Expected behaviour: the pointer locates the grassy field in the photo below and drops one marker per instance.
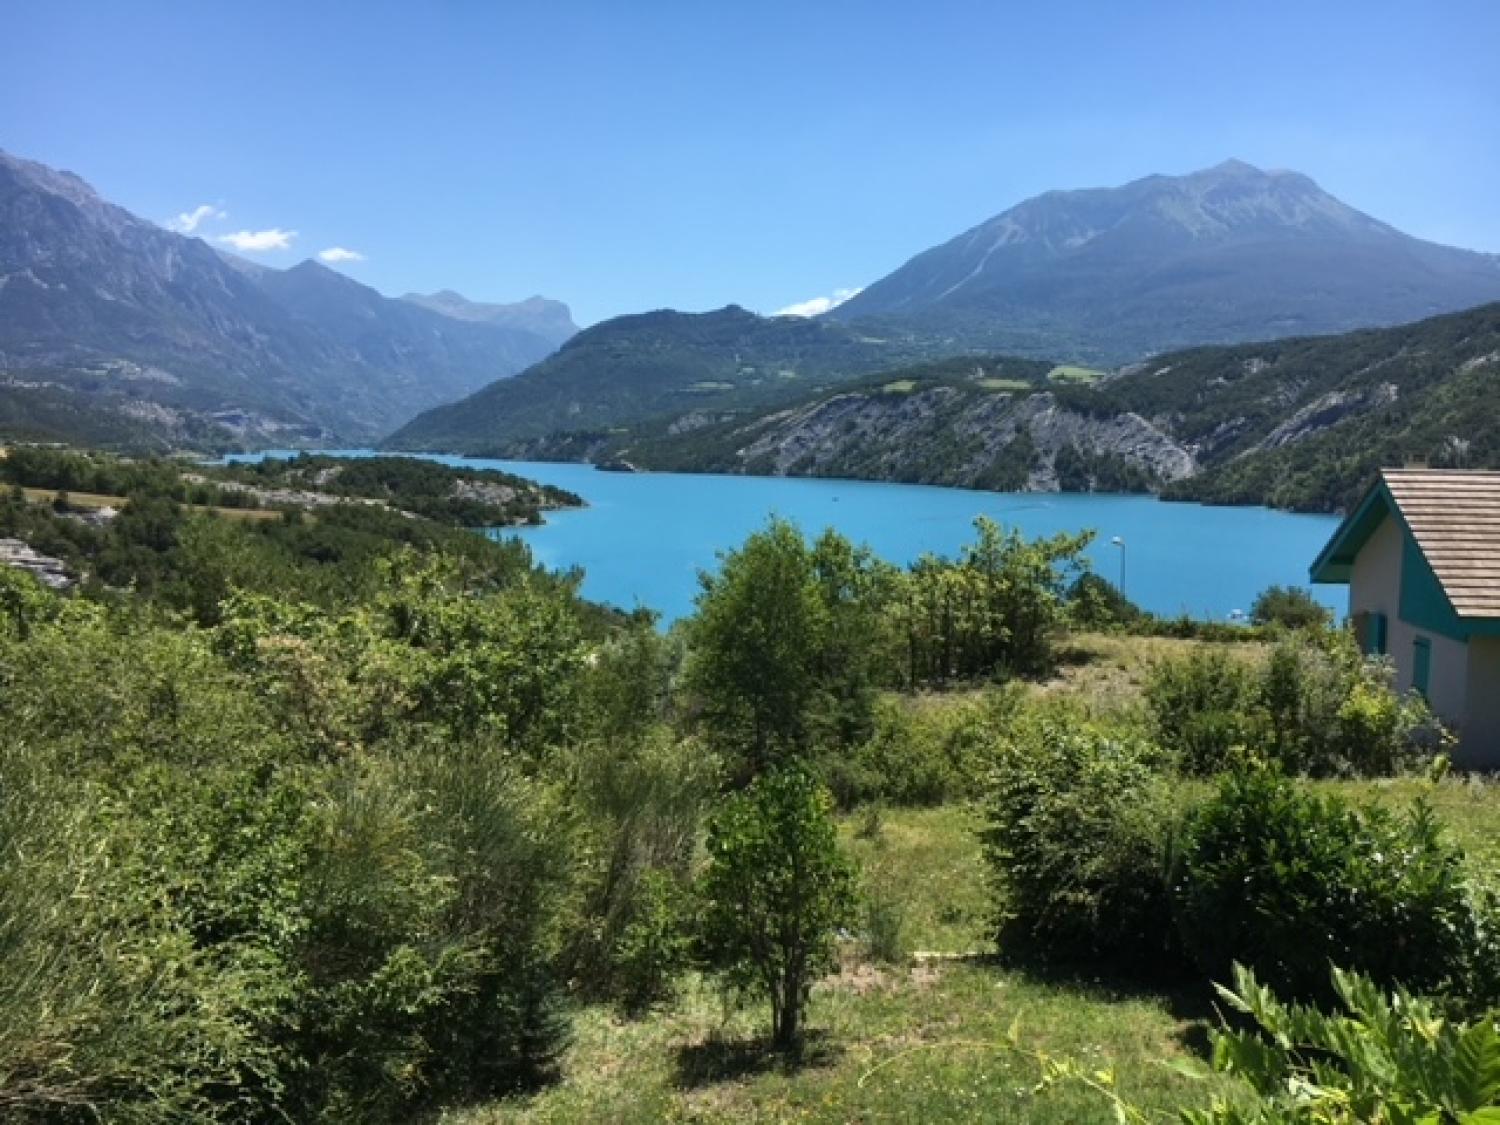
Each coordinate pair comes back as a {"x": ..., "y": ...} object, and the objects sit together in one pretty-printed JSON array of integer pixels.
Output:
[
  {"x": 1004, "y": 384},
  {"x": 919, "y": 1041},
  {"x": 98, "y": 500},
  {"x": 923, "y": 1039}
]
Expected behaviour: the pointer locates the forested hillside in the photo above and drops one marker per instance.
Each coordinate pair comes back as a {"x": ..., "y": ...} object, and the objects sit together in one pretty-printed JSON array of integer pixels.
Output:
[
  {"x": 1302, "y": 423},
  {"x": 634, "y": 368}
]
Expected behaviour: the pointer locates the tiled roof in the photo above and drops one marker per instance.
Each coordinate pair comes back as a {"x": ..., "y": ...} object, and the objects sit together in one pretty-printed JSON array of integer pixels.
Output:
[{"x": 1455, "y": 519}]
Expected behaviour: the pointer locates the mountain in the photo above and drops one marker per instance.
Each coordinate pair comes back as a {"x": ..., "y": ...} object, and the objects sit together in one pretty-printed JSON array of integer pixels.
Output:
[
  {"x": 1301, "y": 423},
  {"x": 551, "y": 320},
  {"x": 1228, "y": 254},
  {"x": 116, "y": 331},
  {"x": 638, "y": 367}
]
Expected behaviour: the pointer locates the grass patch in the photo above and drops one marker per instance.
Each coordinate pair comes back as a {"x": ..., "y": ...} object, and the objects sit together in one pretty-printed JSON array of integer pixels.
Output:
[
  {"x": 98, "y": 500},
  {"x": 1469, "y": 806},
  {"x": 1003, "y": 384},
  {"x": 920, "y": 1041},
  {"x": 899, "y": 387}
]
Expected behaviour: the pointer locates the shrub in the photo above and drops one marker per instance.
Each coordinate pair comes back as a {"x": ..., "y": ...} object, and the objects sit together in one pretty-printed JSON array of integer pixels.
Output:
[
  {"x": 1076, "y": 837},
  {"x": 1290, "y": 607},
  {"x": 1288, "y": 882},
  {"x": 1203, "y": 708},
  {"x": 1314, "y": 706},
  {"x": 1332, "y": 713},
  {"x": 921, "y": 755},
  {"x": 883, "y": 924},
  {"x": 776, "y": 890},
  {"x": 1097, "y": 603},
  {"x": 641, "y": 804},
  {"x": 654, "y": 944}
]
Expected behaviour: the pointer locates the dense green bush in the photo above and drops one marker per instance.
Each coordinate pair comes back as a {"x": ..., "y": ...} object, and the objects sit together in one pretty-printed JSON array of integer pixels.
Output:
[
  {"x": 1329, "y": 712},
  {"x": 922, "y": 755},
  {"x": 1076, "y": 836},
  {"x": 1097, "y": 603},
  {"x": 1204, "y": 709},
  {"x": 642, "y": 802},
  {"x": 303, "y": 866},
  {"x": 1314, "y": 706},
  {"x": 1288, "y": 882},
  {"x": 1290, "y": 607}
]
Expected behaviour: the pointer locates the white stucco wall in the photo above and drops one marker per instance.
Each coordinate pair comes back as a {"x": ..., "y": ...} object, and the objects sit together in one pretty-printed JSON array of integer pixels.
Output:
[
  {"x": 1376, "y": 584},
  {"x": 1480, "y": 742},
  {"x": 1375, "y": 587}
]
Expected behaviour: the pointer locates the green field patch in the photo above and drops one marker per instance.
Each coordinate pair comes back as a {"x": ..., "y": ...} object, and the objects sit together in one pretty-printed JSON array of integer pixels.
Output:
[
  {"x": 899, "y": 387},
  {"x": 1003, "y": 384}
]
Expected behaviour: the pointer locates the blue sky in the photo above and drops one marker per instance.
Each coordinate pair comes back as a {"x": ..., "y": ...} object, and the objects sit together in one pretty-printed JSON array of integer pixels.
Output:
[{"x": 638, "y": 154}]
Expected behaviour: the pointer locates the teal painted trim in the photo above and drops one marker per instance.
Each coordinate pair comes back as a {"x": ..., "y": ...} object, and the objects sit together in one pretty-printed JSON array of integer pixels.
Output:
[
  {"x": 1421, "y": 665},
  {"x": 1336, "y": 562},
  {"x": 1423, "y": 602}
]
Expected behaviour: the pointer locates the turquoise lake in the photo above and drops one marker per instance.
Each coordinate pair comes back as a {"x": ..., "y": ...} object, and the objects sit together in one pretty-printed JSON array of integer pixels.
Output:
[{"x": 645, "y": 536}]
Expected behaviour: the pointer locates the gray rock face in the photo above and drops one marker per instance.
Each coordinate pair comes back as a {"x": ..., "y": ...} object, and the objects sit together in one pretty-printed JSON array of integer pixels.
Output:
[
  {"x": 48, "y": 571},
  {"x": 941, "y": 436}
]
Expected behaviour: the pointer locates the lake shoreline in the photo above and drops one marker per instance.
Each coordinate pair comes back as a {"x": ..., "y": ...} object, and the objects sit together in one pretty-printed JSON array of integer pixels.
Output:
[{"x": 645, "y": 537}]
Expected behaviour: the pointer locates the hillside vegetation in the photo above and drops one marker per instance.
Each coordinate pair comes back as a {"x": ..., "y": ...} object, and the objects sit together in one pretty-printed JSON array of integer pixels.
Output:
[
  {"x": 1302, "y": 423},
  {"x": 635, "y": 368},
  {"x": 350, "y": 815}
]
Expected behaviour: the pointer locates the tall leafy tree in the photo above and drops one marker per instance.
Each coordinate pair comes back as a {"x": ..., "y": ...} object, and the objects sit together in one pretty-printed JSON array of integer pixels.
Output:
[{"x": 775, "y": 892}]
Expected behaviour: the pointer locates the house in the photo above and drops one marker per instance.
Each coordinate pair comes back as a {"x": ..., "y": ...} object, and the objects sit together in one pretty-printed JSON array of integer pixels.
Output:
[{"x": 1421, "y": 556}]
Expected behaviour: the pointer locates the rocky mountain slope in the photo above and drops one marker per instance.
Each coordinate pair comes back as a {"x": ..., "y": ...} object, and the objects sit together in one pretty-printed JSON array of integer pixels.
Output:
[
  {"x": 114, "y": 330},
  {"x": 1223, "y": 255}
]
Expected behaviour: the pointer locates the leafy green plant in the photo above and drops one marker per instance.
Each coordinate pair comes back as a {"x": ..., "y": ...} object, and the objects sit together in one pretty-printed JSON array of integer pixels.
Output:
[
  {"x": 1386, "y": 1058},
  {"x": 1203, "y": 708},
  {"x": 776, "y": 890}
]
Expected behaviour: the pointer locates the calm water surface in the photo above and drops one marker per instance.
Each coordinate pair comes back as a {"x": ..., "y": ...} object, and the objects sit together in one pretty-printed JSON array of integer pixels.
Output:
[{"x": 645, "y": 536}]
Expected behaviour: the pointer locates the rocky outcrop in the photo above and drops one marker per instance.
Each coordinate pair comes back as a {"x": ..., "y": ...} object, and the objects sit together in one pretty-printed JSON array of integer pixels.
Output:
[
  {"x": 48, "y": 571},
  {"x": 943, "y": 436}
]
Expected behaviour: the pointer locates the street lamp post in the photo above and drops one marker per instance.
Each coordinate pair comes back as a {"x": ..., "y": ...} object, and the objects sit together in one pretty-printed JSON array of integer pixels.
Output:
[{"x": 1119, "y": 541}]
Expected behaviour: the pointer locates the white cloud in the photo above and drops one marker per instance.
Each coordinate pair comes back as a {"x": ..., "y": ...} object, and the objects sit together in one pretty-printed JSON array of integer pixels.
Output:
[
  {"x": 816, "y": 305},
  {"x": 251, "y": 241},
  {"x": 188, "y": 221},
  {"x": 339, "y": 254}
]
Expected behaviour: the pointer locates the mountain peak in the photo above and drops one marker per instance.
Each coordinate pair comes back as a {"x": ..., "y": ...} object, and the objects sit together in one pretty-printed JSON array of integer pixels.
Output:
[
  {"x": 1227, "y": 253},
  {"x": 541, "y": 316}
]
